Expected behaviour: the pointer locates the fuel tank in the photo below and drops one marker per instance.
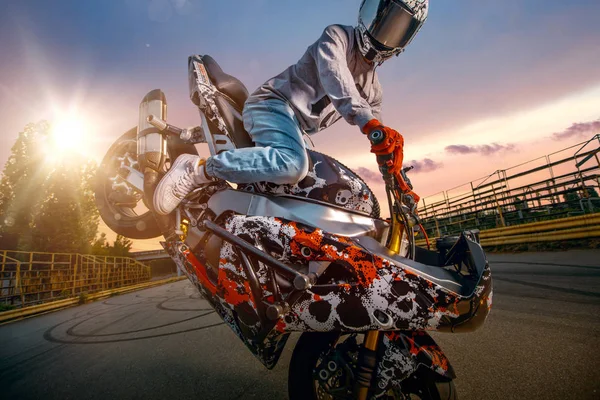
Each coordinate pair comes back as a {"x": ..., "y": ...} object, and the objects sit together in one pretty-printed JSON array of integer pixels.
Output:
[{"x": 328, "y": 181}]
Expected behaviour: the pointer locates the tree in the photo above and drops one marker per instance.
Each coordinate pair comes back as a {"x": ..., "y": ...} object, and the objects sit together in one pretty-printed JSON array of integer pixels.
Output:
[
  {"x": 100, "y": 246},
  {"x": 591, "y": 192},
  {"x": 571, "y": 197},
  {"x": 46, "y": 206},
  {"x": 520, "y": 205},
  {"x": 67, "y": 219},
  {"x": 20, "y": 183},
  {"x": 120, "y": 248}
]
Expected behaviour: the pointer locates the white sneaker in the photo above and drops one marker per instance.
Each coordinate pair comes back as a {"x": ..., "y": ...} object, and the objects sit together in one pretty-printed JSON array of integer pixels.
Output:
[{"x": 185, "y": 175}]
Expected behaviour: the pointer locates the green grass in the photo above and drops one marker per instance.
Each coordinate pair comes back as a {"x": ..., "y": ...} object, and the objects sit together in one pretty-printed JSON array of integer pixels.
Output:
[
  {"x": 83, "y": 297},
  {"x": 6, "y": 307}
]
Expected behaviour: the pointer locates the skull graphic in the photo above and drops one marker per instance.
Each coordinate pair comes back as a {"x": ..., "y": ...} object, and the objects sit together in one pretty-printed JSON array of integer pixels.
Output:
[{"x": 343, "y": 196}]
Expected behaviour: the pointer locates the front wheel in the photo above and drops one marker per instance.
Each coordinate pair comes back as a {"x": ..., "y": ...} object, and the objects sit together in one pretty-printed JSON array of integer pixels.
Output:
[
  {"x": 323, "y": 365},
  {"x": 121, "y": 207}
]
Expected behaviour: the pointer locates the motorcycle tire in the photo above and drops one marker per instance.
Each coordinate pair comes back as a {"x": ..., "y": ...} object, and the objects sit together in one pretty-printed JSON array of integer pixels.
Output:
[
  {"x": 312, "y": 346},
  {"x": 123, "y": 220}
]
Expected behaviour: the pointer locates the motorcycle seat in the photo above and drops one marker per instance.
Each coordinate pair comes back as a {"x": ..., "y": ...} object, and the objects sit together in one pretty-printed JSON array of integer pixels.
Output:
[
  {"x": 225, "y": 83},
  {"x": 231, "y": 102}
]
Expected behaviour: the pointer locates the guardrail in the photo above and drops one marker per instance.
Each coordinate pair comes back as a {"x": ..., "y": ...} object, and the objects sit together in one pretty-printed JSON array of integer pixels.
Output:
[
  {"x": 580, "y": 227},
  {"x": 28, "y": 278}
]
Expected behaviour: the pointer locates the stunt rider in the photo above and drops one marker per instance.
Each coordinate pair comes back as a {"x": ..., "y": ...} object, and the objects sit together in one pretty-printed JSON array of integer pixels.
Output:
[{"x": 335, "y": 78}]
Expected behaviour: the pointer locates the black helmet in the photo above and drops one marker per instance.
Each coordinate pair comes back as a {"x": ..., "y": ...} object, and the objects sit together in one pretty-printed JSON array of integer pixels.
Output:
[{"x": 386, "y": 27}]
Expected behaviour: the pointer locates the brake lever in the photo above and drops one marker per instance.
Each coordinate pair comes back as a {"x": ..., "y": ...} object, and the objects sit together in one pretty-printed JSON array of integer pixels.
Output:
[{"x": 405, "y": 177}]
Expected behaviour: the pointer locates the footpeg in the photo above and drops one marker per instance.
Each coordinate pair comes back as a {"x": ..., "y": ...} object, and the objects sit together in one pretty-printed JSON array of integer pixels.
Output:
[
  {"x": 276, "y": 311},
  {"x": 302, "y": 282}
]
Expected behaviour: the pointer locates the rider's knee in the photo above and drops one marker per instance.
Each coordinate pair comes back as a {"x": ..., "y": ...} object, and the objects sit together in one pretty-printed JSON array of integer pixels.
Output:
[{"x": 294, "y": 169}]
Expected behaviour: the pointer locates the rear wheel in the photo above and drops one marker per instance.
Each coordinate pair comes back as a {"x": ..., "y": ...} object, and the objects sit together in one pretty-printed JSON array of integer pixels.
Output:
[
  {"x": 322, "y": 368},
  {"x": 122, "y": 207}
]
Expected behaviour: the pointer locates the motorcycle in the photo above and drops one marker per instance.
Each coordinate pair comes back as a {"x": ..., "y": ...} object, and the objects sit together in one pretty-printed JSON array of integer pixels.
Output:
[{"x": 315, "y": 257}]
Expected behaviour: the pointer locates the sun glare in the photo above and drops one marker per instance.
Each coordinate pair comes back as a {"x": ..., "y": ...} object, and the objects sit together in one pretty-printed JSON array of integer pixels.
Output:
[
  {"x": 68, "y": 133},
  {"x": 68, "y": 137}
]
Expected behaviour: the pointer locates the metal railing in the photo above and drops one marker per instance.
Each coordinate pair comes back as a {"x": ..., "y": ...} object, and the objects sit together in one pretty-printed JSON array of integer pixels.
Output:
[
  {"x": 28, "y": 278},
  {"x": 559, "y": 185}
]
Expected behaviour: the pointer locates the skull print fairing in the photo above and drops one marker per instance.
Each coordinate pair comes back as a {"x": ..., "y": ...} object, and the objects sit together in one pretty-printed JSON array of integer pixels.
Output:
[{"x": 358, "y": 290}]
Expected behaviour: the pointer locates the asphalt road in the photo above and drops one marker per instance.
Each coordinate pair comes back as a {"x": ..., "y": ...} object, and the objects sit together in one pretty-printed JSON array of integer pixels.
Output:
[{"x": 540, "y": 342}]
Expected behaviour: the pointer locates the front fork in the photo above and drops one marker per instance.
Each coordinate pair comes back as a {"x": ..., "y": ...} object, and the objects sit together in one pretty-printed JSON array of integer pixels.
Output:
[
  {"x": 367, "y": 360},
  {"x": 367, "y": 364}
]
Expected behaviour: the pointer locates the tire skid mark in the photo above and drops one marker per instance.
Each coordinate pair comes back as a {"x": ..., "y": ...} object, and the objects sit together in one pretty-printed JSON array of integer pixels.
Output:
[
  {"x": 106, "y": 302},
  {"x": 55, "y": 347},
  {"x": 71, "y": 330},
  {"x": 56, "y": 340},
  {"x": 150, "y": 297},
  {"x": 95, "y": 331},
  {"x": 160, "y": 306},
  {"x": 91, "y": 316},
  {"x": 80, "y": 338}
]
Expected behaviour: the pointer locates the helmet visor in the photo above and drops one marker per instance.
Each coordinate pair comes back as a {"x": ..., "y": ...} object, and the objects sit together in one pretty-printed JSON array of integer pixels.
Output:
[{"x": 389, "y": 23}]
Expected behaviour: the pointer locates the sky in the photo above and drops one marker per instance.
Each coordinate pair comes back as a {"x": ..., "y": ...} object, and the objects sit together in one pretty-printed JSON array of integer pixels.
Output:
[{"x": 487, "y": 84}]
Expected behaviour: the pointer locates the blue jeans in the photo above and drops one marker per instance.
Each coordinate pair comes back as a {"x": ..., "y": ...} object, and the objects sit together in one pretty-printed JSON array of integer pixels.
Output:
[{"x": 280, "y": 153}]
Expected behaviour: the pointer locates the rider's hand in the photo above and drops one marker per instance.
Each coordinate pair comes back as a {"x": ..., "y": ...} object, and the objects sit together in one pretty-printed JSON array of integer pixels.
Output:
[{"x": 392, "y": 144}]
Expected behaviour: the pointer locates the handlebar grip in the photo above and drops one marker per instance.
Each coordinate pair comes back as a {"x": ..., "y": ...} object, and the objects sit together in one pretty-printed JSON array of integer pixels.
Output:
[{"x": 376, "y": 137}]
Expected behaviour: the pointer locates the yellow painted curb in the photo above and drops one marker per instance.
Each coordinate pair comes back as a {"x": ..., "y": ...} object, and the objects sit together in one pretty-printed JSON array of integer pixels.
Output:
[{"x": 13, "y": 315}]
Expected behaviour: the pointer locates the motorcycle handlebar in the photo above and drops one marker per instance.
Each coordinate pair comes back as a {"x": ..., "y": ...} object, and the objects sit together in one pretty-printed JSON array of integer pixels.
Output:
[
  {"x": 401, "y": 179},
  {"x": 376, "y": 137}
]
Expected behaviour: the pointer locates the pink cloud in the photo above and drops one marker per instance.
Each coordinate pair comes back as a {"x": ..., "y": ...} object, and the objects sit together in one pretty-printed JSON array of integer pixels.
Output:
[
  {"x": 484, "y": 149},
  {"x": 423, "y": 166},
  {"x": 578, "y": 130},
  {"x": 368, "y": 175}
]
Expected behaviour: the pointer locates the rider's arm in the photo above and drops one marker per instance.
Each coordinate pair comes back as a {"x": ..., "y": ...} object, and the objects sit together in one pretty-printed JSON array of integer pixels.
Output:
[
  {"x": 377, "y": 102},
  {"x": 336, "y": 78}
]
